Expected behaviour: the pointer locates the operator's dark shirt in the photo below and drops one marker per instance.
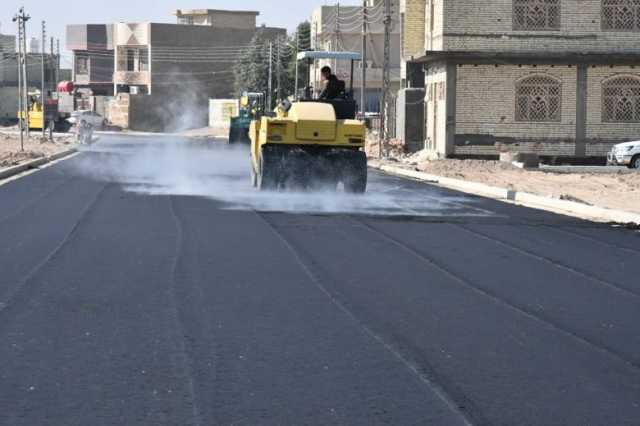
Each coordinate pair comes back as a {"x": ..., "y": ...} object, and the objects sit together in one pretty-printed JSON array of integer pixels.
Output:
[{"x": 332, "y": 88}]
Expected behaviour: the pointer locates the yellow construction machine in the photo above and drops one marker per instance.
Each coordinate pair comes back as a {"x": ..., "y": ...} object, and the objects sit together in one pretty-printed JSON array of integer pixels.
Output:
[
  {"x": 311, "y": 143},
  {"x": 45, "y": 115}
]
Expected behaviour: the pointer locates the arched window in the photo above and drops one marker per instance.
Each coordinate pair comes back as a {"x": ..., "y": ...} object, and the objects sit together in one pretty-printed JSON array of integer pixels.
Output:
[
  {"x": 621, "y": 100},
  {"x": 538, "y": 99},
  {"x": 536, "y": 15},
  {"x": 621, "y": 15}
]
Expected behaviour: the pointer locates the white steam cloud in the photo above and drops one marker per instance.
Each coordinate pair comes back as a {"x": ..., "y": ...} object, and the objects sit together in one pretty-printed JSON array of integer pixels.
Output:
[{"x": 168, "y": 166}]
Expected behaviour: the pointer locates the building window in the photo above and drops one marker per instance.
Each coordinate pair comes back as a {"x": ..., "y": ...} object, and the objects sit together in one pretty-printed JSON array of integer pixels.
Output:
[
  {"x": 82, "y": 65},
  {"x": 133, "y": 59},
  {"x": 185, "y": 20},
  {"x": 536, "y": 15},
  {"x": 538, "y": 99},
  {"x": 621, "y": 15},
  {"x": 621, "y": 100}
]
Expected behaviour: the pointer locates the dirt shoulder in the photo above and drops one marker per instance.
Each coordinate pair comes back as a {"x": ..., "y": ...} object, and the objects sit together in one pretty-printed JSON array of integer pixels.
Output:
[
  {"x": 619, "y": 190},
  {"x": 34, "y": 148}
]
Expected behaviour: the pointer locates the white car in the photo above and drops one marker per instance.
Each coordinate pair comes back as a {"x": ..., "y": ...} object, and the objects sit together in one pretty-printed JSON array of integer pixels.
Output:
[
  {"x": 90, "y": 117},
  {"x": 625, "y": 154}
]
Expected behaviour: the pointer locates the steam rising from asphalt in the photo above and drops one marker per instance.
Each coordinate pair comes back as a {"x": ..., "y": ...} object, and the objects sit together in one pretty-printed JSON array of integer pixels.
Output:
[{"x": 168, "y": 166}]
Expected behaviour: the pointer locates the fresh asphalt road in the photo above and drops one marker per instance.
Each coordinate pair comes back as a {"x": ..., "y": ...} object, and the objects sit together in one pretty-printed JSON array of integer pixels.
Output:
[{"x": 144, "y": 283}]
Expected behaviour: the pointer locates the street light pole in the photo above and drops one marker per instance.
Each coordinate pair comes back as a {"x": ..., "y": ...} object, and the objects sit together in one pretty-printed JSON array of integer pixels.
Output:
[
  {"x": 42, "y": 83},
  {"x": 25, "y": 79},
  {"x": 270, "y": 82}
]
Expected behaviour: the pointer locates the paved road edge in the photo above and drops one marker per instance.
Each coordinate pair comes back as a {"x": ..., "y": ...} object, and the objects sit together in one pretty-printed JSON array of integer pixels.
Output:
[
  {"x": 571, "y": 208},
  {"x": 30, "y": 165}
]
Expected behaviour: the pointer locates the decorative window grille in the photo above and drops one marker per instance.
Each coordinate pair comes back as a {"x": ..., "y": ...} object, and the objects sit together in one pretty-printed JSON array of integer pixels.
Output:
[
  {"x": 536, "y": 15},
  {"x": 621, "y": 100},
  {"x": 621, "y": 15},
  {"x": 538, "y": 99}
]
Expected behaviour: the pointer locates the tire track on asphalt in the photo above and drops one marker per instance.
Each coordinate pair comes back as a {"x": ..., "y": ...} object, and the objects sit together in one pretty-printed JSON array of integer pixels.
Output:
[
  {"x": 437, "y": 389},
  {"x": 20, "y": 294},
  {"x": 611, "y": 353},
  {"x": 185, "y": 359},
  {"x": 615, "y": 287}
]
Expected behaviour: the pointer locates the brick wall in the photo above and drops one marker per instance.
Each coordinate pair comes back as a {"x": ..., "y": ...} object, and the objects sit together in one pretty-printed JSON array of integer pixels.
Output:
[
  {"x": 596, "y": 129},
  {"x": 480, "y": 25},
  {"x": 486, "y": 102},
  {"x": 413, "y": 27}
]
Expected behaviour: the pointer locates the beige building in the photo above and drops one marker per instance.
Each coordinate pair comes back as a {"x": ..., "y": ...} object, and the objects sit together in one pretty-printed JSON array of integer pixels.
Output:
[
  {"x": 165, "y": 74},
  {"x": 243, "y": 20},
  {"x": 556, "y": 77},
  {"x": 340, "y": 28}
]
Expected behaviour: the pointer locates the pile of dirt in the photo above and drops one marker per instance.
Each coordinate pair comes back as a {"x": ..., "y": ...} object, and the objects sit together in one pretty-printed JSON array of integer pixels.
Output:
[
  {"x": 12, "y": 154},
  {"x": 617, "y": 190}
]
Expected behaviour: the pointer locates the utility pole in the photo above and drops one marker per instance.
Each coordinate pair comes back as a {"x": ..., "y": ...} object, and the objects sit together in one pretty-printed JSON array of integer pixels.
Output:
[
  {"x": 336, "y": 37},
  {"x": 363, "y": 83},
  {"x": 57, "y": 60},
  {"x": 296, "y": 86},
  {"x": 23, "y": 105},
  {"x": 270, "y": 83},
  {"x": 386, "y": 78},
  {"x": 18, "y": 19},
  {"x": 42, "y": 85},
  {"x": 278, "y": 73},
  {"x": 25, "y": 79},
  {"x": 53, "y": 83}
]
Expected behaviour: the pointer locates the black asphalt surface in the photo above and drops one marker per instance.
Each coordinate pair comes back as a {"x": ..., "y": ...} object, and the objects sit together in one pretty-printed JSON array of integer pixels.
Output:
[{"x": 131, "y": 298}]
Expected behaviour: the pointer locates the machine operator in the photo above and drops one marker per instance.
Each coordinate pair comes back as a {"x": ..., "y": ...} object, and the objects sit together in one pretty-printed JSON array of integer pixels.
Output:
[{"x": 333, "y": 86}]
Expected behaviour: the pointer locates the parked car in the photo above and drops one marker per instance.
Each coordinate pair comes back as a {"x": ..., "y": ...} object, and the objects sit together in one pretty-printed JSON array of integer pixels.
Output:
[
  {"x": 625, "y": 154},
  {"x": 94, "y": 119}
]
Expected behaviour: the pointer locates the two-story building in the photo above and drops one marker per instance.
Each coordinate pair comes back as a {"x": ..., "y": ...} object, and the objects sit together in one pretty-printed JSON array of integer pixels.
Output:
[
  {"x": 93, "y": 57},
  {"x": 555, "y": 77},
  {"x": 161, "y": 74}
]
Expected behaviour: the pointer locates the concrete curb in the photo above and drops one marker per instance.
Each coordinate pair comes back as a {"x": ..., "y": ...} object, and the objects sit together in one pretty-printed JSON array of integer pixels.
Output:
[
  {"x": 571, "y": 208},
  {"x": 159, "y": 135},
  {"x": 30, "y": 165}
]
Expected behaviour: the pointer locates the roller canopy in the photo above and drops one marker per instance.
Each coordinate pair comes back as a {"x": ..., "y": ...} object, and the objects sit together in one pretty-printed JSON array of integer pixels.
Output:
[{"x": 317, "y": 54}]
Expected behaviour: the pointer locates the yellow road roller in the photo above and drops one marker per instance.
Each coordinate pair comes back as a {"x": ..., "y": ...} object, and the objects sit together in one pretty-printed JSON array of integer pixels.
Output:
[{"x": 311, "y": 144}]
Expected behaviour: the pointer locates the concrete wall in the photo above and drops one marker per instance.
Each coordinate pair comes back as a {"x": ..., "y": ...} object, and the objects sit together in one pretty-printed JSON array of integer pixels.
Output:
[
  {"x": 89, "y": 37},
  {"x": 434, "y": 25},
  {"x": 436, "y": 110},
  {"x": 410, "y": 122},
  {"x": 8, "y": 102},
  {"x": 9, "y": 70},
  {"x": 181, "y": 57},
  {"x": 7, "y": 43},
  {"x": 228, "y": 19},
  {"x": 479, "y": 25},
  {"x": 220, "y": 113},
  {"x": 158, "y": 113}
]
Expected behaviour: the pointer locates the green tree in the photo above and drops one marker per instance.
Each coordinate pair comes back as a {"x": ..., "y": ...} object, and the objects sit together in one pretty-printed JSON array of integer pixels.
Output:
[
  {"x": 252, "y": 69},
  {"x": 300, "y": 42}
]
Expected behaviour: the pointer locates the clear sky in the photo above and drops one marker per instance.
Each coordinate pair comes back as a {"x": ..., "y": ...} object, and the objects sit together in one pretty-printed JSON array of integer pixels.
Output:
[{"x": 281, "y": 13}]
